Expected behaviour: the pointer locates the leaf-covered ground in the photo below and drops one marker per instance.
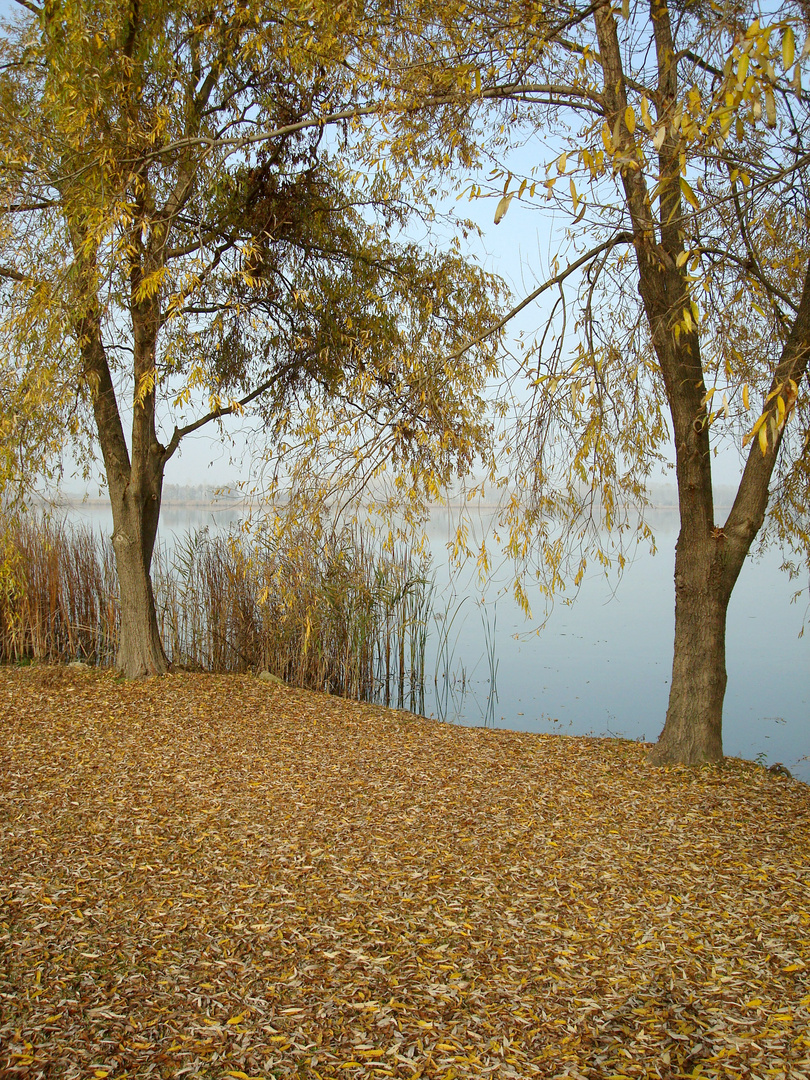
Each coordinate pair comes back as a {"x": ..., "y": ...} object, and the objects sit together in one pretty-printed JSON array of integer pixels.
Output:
[{"x": 212, "y": 876}]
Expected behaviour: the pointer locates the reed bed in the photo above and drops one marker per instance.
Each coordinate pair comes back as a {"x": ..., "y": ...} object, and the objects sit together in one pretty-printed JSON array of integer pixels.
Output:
[{"x": 333, "y": 611}]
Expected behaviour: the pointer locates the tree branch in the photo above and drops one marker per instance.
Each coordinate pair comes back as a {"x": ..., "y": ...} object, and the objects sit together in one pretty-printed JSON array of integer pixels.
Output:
[
  {"x": 620, "y": 238},
  {"x": 13, "y": 275},
  {"x": 216, "y": 414},
  {"x": 31, "y": 7}
]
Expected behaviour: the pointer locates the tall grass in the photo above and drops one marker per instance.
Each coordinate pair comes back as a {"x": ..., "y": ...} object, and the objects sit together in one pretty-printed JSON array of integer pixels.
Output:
[{"x": 334, "y": 612}]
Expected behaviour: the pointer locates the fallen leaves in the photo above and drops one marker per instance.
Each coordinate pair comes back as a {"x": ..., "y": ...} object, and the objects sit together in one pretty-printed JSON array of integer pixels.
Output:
[{"x": 201, "y": 876}]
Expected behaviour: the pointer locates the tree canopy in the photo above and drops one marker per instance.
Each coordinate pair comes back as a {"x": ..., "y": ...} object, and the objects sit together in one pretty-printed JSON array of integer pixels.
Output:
[{"x": 189, "y": 217}]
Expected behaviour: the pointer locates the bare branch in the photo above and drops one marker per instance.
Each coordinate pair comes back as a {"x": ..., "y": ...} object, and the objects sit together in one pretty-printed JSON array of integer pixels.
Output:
[{"x": 620, "y": 238}]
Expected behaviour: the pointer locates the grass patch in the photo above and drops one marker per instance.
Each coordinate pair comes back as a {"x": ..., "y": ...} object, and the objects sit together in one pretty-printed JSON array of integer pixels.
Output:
[{"x": 207, "y": 876}]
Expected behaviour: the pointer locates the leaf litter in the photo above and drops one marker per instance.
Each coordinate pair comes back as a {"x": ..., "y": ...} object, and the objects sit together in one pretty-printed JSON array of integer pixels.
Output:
[{"x": 211, "y": 876}]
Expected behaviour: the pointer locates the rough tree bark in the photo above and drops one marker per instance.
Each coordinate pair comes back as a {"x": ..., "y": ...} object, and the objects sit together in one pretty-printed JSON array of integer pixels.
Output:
[
  {"x": 135, "y": 481},
  {"x": 708, "y": 557}
]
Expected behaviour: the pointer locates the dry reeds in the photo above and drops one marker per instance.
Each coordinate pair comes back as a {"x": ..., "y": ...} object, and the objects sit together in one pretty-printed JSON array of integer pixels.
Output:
[{"x": 330, "y": 612}]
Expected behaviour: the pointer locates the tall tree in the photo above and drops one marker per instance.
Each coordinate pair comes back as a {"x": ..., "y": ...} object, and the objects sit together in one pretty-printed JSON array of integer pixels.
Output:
[
  {"x": 187, "y": 218},
  {"x": 675, "y": 145}
]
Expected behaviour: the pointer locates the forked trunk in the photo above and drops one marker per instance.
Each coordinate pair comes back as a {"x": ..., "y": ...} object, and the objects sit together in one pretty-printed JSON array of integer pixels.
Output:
[
  {"x": 693, "y": 730},
  {"x": 140, "y": 651}
]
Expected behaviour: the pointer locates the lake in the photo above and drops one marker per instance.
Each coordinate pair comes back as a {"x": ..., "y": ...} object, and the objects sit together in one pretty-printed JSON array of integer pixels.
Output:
[{"x": 602, "y": 665}]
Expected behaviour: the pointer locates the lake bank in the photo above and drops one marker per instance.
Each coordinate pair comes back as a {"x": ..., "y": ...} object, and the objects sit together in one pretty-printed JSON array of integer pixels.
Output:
[{"x": 207, "y": 873}]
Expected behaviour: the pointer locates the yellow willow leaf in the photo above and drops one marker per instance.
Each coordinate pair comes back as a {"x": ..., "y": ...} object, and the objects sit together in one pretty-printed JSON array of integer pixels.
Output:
[
  {"x": 501, "y": 208},
  {"x": 630, "y": 119},
  {"x": 770, "y": 107},
  {"x": 562, "y": 161},
  {"x": 788, "y": 48},
  {"x": 606, "y": 138},
  {"x": 780, "y": 409},
  {"x": 660, "y": 135},
  {"x": 746, "y": 402},
  {"x": 478, "y": 82},
  {"x": 646, "y": 119},
  {"x": 688, "y": 194},
  {"x": 625, "y": 9},
  {"x": 742, "y": 68},
  {"x": 574, "y": 195},
  {"x": 762, "y": 435},
  {"x": 682, "y": 257},
  {"x": 522, "y": 188}
]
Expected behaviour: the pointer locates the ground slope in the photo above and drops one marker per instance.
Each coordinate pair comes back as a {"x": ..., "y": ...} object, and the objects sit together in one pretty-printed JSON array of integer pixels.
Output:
[{"x": 213, "y": 876}]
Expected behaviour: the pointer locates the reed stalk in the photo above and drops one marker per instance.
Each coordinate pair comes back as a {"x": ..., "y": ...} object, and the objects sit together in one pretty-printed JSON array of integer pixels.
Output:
[{"x": 332, "y": 612}]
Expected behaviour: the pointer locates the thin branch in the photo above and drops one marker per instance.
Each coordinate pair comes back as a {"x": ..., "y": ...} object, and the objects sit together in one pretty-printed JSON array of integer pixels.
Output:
[
  {"x": 31, "y": 7},
  {"x": 492, "y": 93},
  {"x": 752, "y": 257},
  {"x": 754, "y": 271},
  {"x": 13, "y": 275},
  {"x": 620, "y": 238},
  {"x": 216, "y": 414}
]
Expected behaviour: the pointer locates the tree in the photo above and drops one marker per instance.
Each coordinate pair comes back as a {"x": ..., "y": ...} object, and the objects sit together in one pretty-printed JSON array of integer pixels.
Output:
[
  {"x": 675, "y": 143},
  {"x": 187, "y": 216}
]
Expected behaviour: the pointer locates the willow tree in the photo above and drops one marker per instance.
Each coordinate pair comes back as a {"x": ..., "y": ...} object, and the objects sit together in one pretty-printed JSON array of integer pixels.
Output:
[
  {"x": 189, "y": 233},
  {"x": 672, "y": 142}
]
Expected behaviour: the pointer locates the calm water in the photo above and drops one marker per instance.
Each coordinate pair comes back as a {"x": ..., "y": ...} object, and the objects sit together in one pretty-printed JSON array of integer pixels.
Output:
[{"x": 602, "y": 665}]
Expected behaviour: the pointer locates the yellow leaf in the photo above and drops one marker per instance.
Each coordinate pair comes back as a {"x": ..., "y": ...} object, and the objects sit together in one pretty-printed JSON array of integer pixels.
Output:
[
  {"x": 645, "y": 113},
  {"x": 630, "y": 119},
  {"x": 682, "y": 257},
  {"x": 745, "y": 397},
  {"x": 688, "y": 194},
  {"x": 238, "y": 1019},
  {"x": 793, "y": 967},
  {"x": 770, "y": 107},
  {"x": 788, "y": 48},
  {"x": 762, "y": 435},
  {"x": 574, "y": 195},
  {"x": 501, "y": 208}
]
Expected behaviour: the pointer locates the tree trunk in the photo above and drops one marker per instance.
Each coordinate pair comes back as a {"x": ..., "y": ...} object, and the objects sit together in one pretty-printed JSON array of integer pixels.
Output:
[
  {"x": 135, "y": 517},
  {"x": 692, "y": 733}
]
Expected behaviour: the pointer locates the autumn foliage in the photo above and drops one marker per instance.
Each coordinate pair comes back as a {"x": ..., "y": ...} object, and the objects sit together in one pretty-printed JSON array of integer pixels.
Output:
[{"x": 207, "y": 875}]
